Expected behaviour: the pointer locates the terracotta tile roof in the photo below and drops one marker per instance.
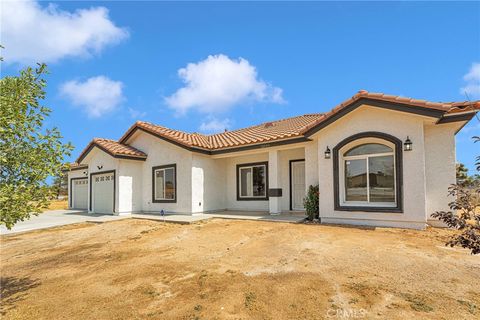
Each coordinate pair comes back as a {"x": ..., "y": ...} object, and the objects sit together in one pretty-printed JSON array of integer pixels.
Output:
[
  {"x": 113, "y": 148},
  {"x": 269, "y": 131},
  {"x": 446, "y": 107},
  {"x": 285, "y": 129}
]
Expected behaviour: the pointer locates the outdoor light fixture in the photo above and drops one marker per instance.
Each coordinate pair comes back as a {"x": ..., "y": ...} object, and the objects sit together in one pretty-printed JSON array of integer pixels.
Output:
[
  {"x": 100, "y": 167},
  {"x": 85, "y": 172},
  {"x": 328, "y": 153},
  {"x": 407, "y": 144}
]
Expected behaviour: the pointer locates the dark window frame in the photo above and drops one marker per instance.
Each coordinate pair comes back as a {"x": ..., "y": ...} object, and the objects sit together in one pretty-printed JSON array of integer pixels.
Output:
[
  {"x": 174, "y": 166},
  {"x": 243, "y": 165},
  {"x": 398, "y": 208}
]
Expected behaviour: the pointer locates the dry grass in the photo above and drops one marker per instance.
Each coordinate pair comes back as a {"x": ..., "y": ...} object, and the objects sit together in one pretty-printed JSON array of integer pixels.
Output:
[
  {"x": 219, "y": 269},
  {"x": 58, "y": 205}
]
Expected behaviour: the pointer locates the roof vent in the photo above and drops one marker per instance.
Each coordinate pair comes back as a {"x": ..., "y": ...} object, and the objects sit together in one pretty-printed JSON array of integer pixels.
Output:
[{"x": 268, "y": 125}]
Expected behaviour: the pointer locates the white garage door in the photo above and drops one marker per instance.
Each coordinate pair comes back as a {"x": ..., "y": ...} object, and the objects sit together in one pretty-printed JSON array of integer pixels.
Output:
[
  {"x": 80, "y": 193},
  {"x": 103, "y": 192}
]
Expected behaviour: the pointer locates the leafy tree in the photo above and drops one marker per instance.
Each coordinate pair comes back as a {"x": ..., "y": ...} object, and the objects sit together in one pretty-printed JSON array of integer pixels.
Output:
[
  {"x": 60, "y": 184},
  {"x": 462, "y": 174},
  {"x": 464, "y": 214},
  {"x": 29, "y": 153}
]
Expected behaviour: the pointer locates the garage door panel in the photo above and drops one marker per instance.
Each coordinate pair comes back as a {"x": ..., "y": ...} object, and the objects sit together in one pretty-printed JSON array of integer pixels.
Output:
[
  {"x": 103, "y": 192},
  {"x": 79, "y": 193}
]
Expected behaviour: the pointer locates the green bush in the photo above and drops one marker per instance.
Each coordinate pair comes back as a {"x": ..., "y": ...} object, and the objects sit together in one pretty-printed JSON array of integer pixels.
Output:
[{"x": 310, "y": 202}]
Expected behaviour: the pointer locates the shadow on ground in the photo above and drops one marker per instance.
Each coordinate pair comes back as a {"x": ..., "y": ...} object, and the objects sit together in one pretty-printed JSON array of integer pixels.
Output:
[{"x": 14, "y": 289}]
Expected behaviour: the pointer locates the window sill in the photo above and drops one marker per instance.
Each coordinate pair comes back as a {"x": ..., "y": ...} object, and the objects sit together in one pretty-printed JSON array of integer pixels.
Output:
[
  {"x": 369, "y": 209},
  {"x": 165, "y": 201},
  {"x": 252, "y": 199}
]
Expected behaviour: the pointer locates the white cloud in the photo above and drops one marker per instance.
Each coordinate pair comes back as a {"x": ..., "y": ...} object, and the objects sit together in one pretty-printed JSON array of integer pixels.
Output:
[
  {"x": 136, "y": 114},
  {"x": 97, "y": 95},
  {"x": 32, "y": 33},
  {"x": 217, "y": 83},
  {"x": 472, "y": 78},
  {"x": 214, "y": 125}
]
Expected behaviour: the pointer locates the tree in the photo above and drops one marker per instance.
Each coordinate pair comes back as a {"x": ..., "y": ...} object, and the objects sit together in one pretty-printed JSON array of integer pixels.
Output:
[
  {"x": 464, "y": 214},
  {"x": 462, "y": 174},
  {"x": 29, "y": 153},
  {"x": 60, "y": 184}
]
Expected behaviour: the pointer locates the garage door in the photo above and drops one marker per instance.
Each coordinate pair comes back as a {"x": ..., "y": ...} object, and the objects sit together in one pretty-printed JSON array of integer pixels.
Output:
[
  {"x": 103, "y": 192},
  {"x": 80, "y": 194}
]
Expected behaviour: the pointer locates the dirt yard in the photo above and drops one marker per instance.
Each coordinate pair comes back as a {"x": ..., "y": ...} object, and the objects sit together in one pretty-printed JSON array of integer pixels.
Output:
[{"x": 224, "y": 269}]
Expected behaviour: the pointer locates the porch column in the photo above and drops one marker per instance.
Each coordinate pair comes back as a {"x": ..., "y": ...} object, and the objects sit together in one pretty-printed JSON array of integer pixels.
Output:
[
  {"x": 274, "y": 191},
  {"x": 311, "y": 164}
]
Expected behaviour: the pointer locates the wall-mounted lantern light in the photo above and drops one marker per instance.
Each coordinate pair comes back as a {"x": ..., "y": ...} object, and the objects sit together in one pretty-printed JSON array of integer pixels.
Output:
[
  {"x": 328, "y": 153},
  {"x": 407, "y": 145}
]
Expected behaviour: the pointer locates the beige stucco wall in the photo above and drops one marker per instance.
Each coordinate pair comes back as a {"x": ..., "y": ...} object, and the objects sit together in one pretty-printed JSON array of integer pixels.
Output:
[
  {"x": 130, "y": 186},
  {"x": 440, "y": 163},
  {"x": 397, "y": 124},
  {"x": 163, "y": 153},
  {"x": 208, "y": 184}
]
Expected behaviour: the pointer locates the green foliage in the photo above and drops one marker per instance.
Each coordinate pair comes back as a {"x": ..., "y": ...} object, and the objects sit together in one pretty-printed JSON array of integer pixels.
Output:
[
  {"x": 464, "y": 214},
  {"x": 60, "y": 184},
  {"x": 463, "y": 178},
  {"x": 29, "y": 153},
  {"x": 310, "y": 202}
]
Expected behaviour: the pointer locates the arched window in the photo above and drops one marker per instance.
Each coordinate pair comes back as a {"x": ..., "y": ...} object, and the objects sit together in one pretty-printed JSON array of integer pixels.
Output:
[
  {"x": 369, "y": 174},
  {"x": 367, "y": 177}
]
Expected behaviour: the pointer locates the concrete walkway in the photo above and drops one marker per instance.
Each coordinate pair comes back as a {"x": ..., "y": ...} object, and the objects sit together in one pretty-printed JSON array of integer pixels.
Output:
[
  {"x": 58, "y": 218},
  {"x": 294, "y": 217}
]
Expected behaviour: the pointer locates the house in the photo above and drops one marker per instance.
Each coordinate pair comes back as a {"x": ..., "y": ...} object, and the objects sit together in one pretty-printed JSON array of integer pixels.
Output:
[{"x": 378, "y": 159}]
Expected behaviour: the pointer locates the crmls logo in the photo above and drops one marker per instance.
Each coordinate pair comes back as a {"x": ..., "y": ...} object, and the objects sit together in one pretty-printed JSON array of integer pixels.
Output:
[{"x": 346, "y": 313}]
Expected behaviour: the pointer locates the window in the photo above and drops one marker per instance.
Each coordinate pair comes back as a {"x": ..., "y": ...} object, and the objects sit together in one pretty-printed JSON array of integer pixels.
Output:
[
  {"x": 252, "y": 181},
  {"x": 164, "y": 183},
  {"x": 369, "y": 174}
]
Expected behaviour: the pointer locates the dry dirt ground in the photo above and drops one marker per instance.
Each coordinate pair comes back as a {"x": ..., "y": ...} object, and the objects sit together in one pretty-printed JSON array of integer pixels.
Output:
[{"x": 224, "y": 269}]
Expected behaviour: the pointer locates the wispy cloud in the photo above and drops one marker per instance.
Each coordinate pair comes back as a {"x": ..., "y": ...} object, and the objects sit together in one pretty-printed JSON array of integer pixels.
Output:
[
  {"x": 136, "y": 114},
  {"x": 35, "y": 33},
  {"x": 214, "y": 125},
  {"x": 472, "y": 79},
  {"x": 97, "y": 96},
  {"x": 216, "y": 84}
]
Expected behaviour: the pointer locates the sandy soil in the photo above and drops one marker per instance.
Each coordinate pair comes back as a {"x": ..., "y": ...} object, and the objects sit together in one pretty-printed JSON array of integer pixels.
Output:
[{"x": 223, "y": 269}]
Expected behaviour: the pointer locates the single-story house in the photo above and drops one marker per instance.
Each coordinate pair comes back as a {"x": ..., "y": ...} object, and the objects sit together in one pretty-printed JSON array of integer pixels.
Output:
[{"x": 379, "y": 160}]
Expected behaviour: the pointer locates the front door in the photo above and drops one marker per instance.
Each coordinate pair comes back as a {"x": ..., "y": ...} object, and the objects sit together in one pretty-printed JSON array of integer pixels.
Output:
[{"x": 297, "y": 184}]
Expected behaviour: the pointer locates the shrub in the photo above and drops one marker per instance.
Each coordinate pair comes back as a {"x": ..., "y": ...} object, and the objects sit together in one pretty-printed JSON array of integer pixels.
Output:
[
  {"x": 464, "y": 214},
  {"x": 310, "y": 202}
]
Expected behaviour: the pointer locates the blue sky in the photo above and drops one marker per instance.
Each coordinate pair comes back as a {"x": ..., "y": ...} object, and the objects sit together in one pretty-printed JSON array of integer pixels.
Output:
[{"x": 113, "y": 63}]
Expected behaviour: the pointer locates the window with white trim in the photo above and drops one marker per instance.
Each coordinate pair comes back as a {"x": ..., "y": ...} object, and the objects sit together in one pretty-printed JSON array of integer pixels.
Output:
[
  {"x": 164, "y": 183},
  {"x": 252, "y": 181},
  {"x": 369, "y": 174}
]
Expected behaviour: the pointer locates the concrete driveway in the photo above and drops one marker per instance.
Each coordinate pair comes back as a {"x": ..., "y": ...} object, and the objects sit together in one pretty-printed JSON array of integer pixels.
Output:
[{"x": 57, "y": 218}]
